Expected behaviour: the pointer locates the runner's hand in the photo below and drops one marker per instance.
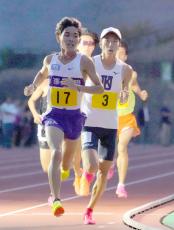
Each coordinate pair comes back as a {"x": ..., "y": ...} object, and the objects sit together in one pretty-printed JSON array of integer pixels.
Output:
[
  {"x": 124, "y": 94},
  {"x": 29, "y": 89},
  {"x": 69, "y": 82},
  {"x": 144, "y": 95},
  {"x": 37, "y": 119}
]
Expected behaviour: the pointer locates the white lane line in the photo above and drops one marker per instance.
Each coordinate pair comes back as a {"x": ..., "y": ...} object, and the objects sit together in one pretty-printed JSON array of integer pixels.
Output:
[
  {"x": 130, "y": 168},
  {"x": 27, "y": 164},
  {"x": 150, "y": 178},
  {"x": 77, "y": 197},
  {"x": 33, "y": 207},
  {"x": 40, "y": 172},
  {"x": 23, "y": 187},
  {"x": 22, "y": 210},
  {"x": 10, "y": 162},
  {"x": 142, "y": 150},
  {"x": 20, "y": 158},
  {"x": 112, "y": 222},
  {"x": 148, "y": 156},
  {"x": 24, "y": 165},
  {"x": 156, "y": 163},
  {"x": 128, "y": 216},
  {"x": 66, "y": 214},
  {"x": 21, "y": 175},
  {"x": 28, "y": 186}
]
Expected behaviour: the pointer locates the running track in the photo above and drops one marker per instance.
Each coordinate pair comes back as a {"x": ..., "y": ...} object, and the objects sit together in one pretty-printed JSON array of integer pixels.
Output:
[{"x": 24, "y": 191}]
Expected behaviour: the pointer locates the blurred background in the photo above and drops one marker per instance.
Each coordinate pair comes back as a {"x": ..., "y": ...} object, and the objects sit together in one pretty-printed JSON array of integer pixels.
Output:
[{"x": 27, "y": 35}]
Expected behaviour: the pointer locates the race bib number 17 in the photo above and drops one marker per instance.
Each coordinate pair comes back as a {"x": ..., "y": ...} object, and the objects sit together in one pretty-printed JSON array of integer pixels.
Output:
[{"x": 63, "y": 97}]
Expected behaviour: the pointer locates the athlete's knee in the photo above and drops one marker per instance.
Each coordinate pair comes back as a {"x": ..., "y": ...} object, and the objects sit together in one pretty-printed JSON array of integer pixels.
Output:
[
  {"x": 56, "y": 156},
  {"x": 91, "y": 167},
  {"x": 76, "y": 161},
  {"x": 45, "y": 168},
  {"x": 122, "y": 148},
  {"x": 66, "y": 165},
  {"x": 102, "y": 174}
]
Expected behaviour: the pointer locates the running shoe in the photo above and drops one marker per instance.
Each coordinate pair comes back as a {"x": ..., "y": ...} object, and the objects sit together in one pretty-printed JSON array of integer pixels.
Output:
[
  {"x": 57, "y": 208},
  {"x": 121, "y": 191},
  {"x": 89, "y": 176},
  {"x": 50, "y": 200},
  {"x": 84, "y": 186},
  {"x": 64, "y": 174},
  {"x": 76, "y": 184},
  {"x": 110, "y": 172},
  {"x": 87, "y": 218}
]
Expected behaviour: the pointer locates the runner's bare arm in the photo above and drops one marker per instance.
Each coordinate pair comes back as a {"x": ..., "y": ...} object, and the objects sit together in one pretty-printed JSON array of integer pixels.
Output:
[
  {"x": 127, "y": 73},
  {"x": 40, "y": 76},
  {"x": 32, "y": 103},
  {"x": 87, "y": 69},
  {"x": 143, "y": 94}
]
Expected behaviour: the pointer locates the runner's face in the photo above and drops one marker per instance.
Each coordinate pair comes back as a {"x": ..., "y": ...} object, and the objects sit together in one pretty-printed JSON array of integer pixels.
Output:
[
  {"x": 121, "y": 54},
  {"x": 86, "y": 45},
  {"x": 69, "y": 38},
  {"x": 109, "y": 44}
]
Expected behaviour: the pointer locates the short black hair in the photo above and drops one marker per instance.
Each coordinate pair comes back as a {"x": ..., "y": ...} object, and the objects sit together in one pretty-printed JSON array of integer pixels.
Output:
[
  {"x": 125, "y": 46},
  {"x": 66, "y": 22},
  {"x": 95, "y": 37}
]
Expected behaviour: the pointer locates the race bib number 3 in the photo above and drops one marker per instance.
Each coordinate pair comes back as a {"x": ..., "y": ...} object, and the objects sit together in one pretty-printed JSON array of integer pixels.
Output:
[
  {"x": 106, "y": 100},
  {"x": 63, "y": 97}
]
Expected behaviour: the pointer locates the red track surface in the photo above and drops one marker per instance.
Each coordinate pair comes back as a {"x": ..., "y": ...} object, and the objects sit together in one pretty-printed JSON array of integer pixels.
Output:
[{"x": 24, "y": 190}]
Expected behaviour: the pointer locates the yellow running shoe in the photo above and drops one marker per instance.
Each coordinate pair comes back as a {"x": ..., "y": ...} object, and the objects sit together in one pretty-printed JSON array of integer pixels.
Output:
[
  {"x": 84, "y": 186},
  {"x": 64, "y": 174},
  {"x": 57, "y": 208},
  {"x": 76, "y": 184}
]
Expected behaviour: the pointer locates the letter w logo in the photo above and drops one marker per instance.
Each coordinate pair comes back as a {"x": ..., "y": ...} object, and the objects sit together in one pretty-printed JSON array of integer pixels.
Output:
[{"x": 107, "y": 81}]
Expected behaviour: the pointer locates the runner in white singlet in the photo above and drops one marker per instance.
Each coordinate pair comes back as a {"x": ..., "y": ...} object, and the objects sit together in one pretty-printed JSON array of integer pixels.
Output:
[
  {"x": 99, "y": 133},
  {"x": 67, "y": 72}
]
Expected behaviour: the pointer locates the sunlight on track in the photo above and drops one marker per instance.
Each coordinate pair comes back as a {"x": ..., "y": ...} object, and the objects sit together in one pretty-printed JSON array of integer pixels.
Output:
[
  {"x": 77, "y": 197},
  {"x": 65, "y": 214}
]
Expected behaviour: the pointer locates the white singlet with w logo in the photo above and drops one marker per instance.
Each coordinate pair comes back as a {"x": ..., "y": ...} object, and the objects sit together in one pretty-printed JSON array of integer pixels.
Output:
[{"x": 101, "y": 108}]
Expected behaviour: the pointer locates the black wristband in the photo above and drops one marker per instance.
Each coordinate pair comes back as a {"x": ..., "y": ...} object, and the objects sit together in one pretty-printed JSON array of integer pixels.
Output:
[{"x": 78, "y": 88}]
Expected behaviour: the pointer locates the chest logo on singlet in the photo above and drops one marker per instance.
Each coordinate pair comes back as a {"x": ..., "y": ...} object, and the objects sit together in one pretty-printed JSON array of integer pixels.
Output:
[
  {"x": 55, "y": 67},
  {"x": 106, "y": 100},
  {"x": 116, "y": 74},
  {"x": 70, "y": 68},
  {"x": 107, "y": 81}
]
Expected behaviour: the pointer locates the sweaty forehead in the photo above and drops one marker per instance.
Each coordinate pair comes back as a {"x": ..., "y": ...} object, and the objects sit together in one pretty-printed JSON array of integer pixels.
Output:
[
  {"x": 122, "y": 49},
  {"x": 70, "y": 29},
  {"x": 87, "y": 37}
]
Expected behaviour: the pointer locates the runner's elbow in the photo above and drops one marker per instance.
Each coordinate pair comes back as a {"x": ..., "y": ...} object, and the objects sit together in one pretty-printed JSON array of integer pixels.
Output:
[{"x": 100, "y": 89}]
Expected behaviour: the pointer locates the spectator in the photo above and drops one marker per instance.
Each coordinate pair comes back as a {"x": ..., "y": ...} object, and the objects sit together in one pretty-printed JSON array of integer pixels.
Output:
[
  {"x": 8, "y": 116},
  {"x": 165, "y": 125},
  {"x": 0, "y": 128},
  {"x": 143, "y": 118},
  {"x": 17, "y": 125},
  {"x": 28, "y": 128}
]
